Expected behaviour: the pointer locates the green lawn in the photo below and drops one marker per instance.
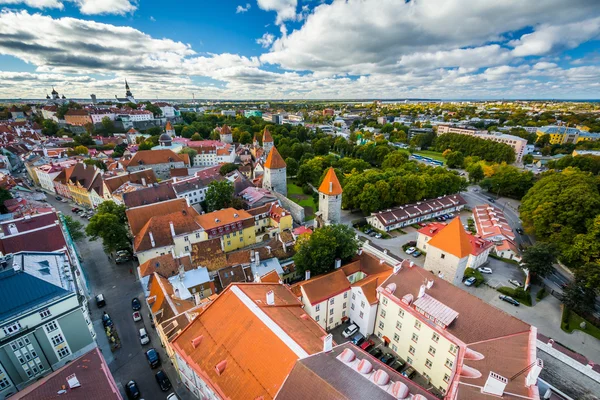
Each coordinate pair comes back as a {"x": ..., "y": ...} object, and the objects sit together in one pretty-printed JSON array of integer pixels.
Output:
[
  {"x": 297, "y": 196},
  {"x": 294, "y": 189},
  {"x": 431, "y": 154},
  {"x": 574, "y": 322}
]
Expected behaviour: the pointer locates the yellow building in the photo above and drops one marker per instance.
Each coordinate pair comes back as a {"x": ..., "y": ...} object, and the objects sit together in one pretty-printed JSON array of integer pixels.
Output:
[
  {"x": 235, "y": 228},
  {"x": 566, "y": 135},
  {"x": 85, "y": 185}
]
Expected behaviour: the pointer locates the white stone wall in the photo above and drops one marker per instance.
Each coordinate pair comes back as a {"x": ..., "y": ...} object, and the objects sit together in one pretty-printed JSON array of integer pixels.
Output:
[
  {"x": 448, "y": 264},
  {"x": 276, "y": 180},
  {"x": 331, "y": 207},
  {"x": 361, "y": 312}
]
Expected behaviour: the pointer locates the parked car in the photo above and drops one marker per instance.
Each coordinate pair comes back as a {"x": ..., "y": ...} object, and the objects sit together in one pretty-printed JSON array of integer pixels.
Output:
[
  {"x": 373, "y": 234},
  {"x": 376, "y": 352},
  {"x": 422, "y": 224},
  {"x": 368, "y": 230},
  {"x": 132, "y": 390},
  {"x": 409, "y": 372},
  {"x": 388, "y": 358},
  {"x": 144, "y": 338},
  {"x": 358, "y": 339},
  {"x": 470, "y": 281},
  {"x": 510, "y": 300},
  {"x": 137, "y": 316},
  {"x": 100, "y": 302},
  {"x": 163, "y": 381},
  {"x": 485, "y": 270},
  {"x": 106, "y": 321},
  {"x": 135, "y": 304},
  {"x": 378, "y": 236},
  {"x": 172, "y": 396},
  {"x": 64, "y": 201},
  {"x": 367, "y": 345},
  {"x": 75, "y": 209},
  {"x": 398, "y": 364},
  {"x": 124, "y": 253},
  {"x": 122, "y": 259},
  {"x": 515, "y": 282},
  {"x": 350, "y": 330},
  {"x": 58, "y": 198},
  {"x": 416, "y": 254},
  {"x": 153, "y": 358},
  {"x": 410, "y": 250},
  {"x": 491, "y": 200},
  {"x": 520, "y": 231}
]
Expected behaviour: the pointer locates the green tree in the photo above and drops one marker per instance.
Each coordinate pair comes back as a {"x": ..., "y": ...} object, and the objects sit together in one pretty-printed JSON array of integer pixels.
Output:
[
  {"x": 110, "y": 207},
  {"x": 97, "y": 163},
  {"x": 539, "y": 259},
  {"x": 227, "y": 168},
  {"x": 154, "y": 109},
  {"x": 190, "y": 152},
  {"x": 508, "y": 180},
  {"x": 455, "y": 159},
  {"x": 4, "y": 195},
  {"x": 196, "y": 136},
  {"x": 475, "y": 172},
  {"x": 74, "y": 227},
  {"x": 49, "y": 127},
  {"x": 110, "y": 229},
  {"x": 81, "y": 150},
  {"x": 219, "y": 195},
  {"x": 528, "y": 159},
  {"x": 395, "y": 159},
  {"x": 292, "y": 166},
  {"x": 317, "y": 253},
  {"x": 108, "y": 125}
]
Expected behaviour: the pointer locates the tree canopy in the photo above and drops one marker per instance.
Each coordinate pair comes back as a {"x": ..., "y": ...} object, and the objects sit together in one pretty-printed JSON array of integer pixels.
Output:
[
  {"x": 220, "y": 195},
  {"x": 539, "y": 259},
  {"x": 473, "y": 146},
  {"x": 109, "y": 224}
]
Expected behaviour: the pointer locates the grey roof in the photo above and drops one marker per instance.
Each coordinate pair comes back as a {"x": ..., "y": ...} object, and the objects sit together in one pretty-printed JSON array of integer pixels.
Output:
[{"x": 20, "y": 292}]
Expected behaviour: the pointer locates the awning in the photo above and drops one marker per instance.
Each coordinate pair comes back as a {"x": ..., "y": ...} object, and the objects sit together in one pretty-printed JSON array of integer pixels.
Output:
[
  {"x": 344, "y": 319},
  {"x": 386, "y": 340}
]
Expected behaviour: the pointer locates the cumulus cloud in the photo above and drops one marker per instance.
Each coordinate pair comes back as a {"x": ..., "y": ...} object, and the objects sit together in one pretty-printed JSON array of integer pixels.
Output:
[
  {"x": 242, "y": 9},
  {"x": 88, "y": 7},
  {"x": 266, "y": 40},
  {"x": 36, "y": 3},
  {"x": 285, "y": 9}
]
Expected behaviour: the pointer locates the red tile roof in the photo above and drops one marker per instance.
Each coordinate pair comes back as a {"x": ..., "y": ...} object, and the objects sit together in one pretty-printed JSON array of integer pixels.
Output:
[
  {"x": 151, "y": 157},
  {"x": 158, "y": 228},
  {"x": 331, "y": 185},
  {"x": 274, "y": 160},
  {"x": 267, "y": 136},
  {"x": 139, "y": 216},
  {"x": 453, "y": 239}
]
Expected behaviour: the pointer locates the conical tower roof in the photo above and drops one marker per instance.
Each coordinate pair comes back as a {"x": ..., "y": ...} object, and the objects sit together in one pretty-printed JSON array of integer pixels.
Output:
[
  {"x": 274, "y": 160},
  {"x": 168, "y": 127},
  {"x": 331, "y": 185},
  {"x": 453, "y": 239},
  {"x": 225, "y": 130},
  {"x": 267, "y": 136}
]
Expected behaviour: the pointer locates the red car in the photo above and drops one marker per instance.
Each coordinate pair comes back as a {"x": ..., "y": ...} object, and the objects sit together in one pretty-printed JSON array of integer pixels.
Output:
[
  {"x": 367, "y": 345},
  {"x": 422, "y": 224}
]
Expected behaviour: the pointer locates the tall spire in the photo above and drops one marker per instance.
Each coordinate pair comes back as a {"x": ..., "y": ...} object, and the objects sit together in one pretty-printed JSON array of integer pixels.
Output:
[{"x": 126, "y": 85}]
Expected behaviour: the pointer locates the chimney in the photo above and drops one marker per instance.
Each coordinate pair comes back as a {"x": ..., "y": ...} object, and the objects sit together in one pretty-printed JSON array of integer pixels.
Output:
[
  {"x": 172, "y": 229},
  {"x": 397, "y": 268},
  {"x": 330, "y": 186},
  {"x": 421, "y": 291},
  {"x": 534, "y": 372},
  {"x": 196, "y": 298},
  {"x": 495, "y": 384},
  {"x": 220, "y": 367},
  {"x": 327, "y": 343},
  {"x": 270, "y": 298},
  {"x": 429, "y": 284},
  {"x": 197, "y": 340},
  {"x": 306, "y": 275},
  {"x": 338, "y": 263},
  {"x": 152, "y": 240},
  {"x": 256, "y": 258},
  {"x": 143, "y": 181}
]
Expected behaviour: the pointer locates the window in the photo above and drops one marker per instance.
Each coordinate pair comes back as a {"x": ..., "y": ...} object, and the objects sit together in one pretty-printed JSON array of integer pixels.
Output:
[
  {"x": 382, "y": 313},
  {"x": 197, "y": 235},
  {"x": 331, "y": 320},
  {"x": 187, "y": 239},
  {"x": 51, "y": 326},
  {"x": 449, "y": 363},
  {"x": 398, "y": 325},
  {"x": 417, "y": 325},
  {"x": 28, "y": 372},
  {"x": 62, "y": 353},
  {"x": 362, "y": 304},
  {"x": 446, "y": 378},
  {"x": 317, "y": 318},
  {"x": 228, "y": 243},
  {"x": 432, "y": 350},
  {"x": 428, "y": 363},
  {"x": 381, "y": 324},
  {"x": 345, "y": 295},
  {"x": 187, "y": 248},
  {"x": 318, "y": 307},
  {"x": 26, "y": 340},
  {"x": 343, "y": 314},
  {"x": 332, "y": 300},
  {"x": 453, "y": 348},
  {"x": 384, "y": 301},
  {"x": 353, "y": 296},
  {"x": 4, "y": 383},
  {"x": 361, "y": 314},
  {"x": 412, "y": 350},
  {"x": 401, "y": 313},
  {"x": 241, "y": 239},
  {"x": 57, "y": 339},
  {"x": 331, "y": 312},
  {"x": 443, "y": 256},
  {"x": 396, "y": 337},
  {"x": 14, "y": 346},
  {"x": 435, "y": 337},
  {"x": 409, "y": 360},
  {"x": 426, "y": 377},
  {"x": 415, "y": 337},
  {"x": 45, "y": 313},
  {"x": 352, "y": 306},
  {"x": 12, "y": 328}
]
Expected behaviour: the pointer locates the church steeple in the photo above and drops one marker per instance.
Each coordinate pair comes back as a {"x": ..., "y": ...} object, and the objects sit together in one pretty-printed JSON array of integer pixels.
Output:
[{"x": 127, "y": 91}]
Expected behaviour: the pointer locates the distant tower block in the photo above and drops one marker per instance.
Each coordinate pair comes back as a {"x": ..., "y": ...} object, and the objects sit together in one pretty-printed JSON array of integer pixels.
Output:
[
  {"x": 274, "y": 177},
  {"x": 94, "y": 100},
  {"x": 267, "y": 141},
  {"x": 225, "y": 134},
  {"x": 330, "y": 198},
  {"x": 169, "y": 129}
]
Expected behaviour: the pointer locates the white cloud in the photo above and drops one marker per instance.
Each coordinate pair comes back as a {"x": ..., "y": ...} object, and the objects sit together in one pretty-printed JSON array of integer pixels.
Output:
[
  {"x": 285, "y": 9},
  {"x": 266, "y": 40},
  {"x": 242, "y": 9},
  {"x": 92, "y": 7},
  {"x": 152, "y": 19},
  {"x": 36, "y": 3}
]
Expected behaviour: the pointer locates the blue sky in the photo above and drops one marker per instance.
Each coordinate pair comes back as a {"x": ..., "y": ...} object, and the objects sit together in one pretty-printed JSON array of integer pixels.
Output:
[{"x": 302, "y": 49}]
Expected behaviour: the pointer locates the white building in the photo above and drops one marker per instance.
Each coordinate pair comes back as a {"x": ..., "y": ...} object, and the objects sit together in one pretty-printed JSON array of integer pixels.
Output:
[
  {"x": 98, "y": 115},
  {"x": 228, "y": 113},
  {"x": 168, "y": 111}
]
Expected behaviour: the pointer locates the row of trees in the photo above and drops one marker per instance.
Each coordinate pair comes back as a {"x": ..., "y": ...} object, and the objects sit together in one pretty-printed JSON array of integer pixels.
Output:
[{"x": 473, "y": 146}]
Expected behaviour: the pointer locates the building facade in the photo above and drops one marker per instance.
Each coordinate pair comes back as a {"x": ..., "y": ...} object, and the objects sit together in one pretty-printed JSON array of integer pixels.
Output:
[
  {"x": 330, "y": 198},
  {"x": 275, "y": 177}
]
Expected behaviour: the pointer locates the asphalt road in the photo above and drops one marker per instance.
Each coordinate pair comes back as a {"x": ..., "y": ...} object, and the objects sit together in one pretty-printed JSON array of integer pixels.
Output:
[{"x": 119, "y": 285}]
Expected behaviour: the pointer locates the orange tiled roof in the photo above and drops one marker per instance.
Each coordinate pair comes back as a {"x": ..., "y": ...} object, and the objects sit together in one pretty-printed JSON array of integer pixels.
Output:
[
  {"x": 165, "y": 265},
  {"x": 225, "y": 130},
  {"x": 331, "y": 185},
  {"x": 257, "y": 357},
  {"x": 326, "y": 286},
  {"x": 165, "y": 299},
  {"x": 267, "y": 136},
  {"x": 160, "y": 227},
  {"x": 274, "y": 160},
  {"x": 222, "y": 217},
  {"x": 151, "y": 157},
  {"x": 270, "y": 277},
  {"x": 453, "y": 239},
  {"x": 168, "y": 126},
  {"x": 139, "y": 216},
  {"x": 370, "y": 284}
]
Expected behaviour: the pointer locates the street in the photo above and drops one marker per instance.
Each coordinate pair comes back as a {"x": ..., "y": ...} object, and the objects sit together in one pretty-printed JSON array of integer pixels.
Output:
[{"x": 118, "y": 284}]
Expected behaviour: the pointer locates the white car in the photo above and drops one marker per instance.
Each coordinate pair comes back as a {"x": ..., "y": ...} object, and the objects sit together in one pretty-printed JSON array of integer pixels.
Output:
[
  {"x": 349, "y": 331},
  {"x": 172, "y": 396},
  {"x": 137, "y": 316},
  {"x": 144, "y": 339},
  {"x": 485, "y": 270},
  {"x": 410, "y": 250}
]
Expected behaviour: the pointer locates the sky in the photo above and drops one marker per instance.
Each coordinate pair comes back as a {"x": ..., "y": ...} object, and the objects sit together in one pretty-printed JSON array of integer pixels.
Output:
[{"x": 301, "y": 49}]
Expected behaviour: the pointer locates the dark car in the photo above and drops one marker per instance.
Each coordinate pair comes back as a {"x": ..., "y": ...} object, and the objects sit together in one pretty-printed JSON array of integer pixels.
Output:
[
  {"x": 58, "y": 198},
  {"x": 510, "y": 300},
  {"x": 106, "y": 321},
  {"x": 163, "y": 381},
  {"x": 376, "y": 352},
  {"x": 409, "y": 372},
  {"x": 100, "y": 302},
  {"x": 491, "y": 200},
  {"x": 397, "y": 365},
  {"x": 520, "y": 231},
  {"x": 153, "y": 358},
  {"x": 416, "y": 254},
  {"x": 132, "y": 390},
  {"x": 135, "y": 304},
  {"x": 388, "y": 358}
]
